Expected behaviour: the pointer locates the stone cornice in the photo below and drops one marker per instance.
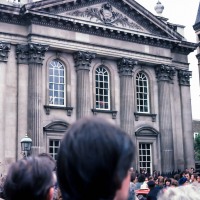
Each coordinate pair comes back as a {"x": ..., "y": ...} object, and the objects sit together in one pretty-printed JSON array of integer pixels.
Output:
[
  {"x": 27, "y": 17},
  {"x": 31, "y": 53},
  {"x": 83, "y": 60},
  {"x": 165, "y": 72},
  {"x": 125, "y": 66},
  {"x": 125, "y": 6},
  {"x": 4, "y": 49},
  {"x": 184, "y": 77},
  {"x": 184, "y": 47}
]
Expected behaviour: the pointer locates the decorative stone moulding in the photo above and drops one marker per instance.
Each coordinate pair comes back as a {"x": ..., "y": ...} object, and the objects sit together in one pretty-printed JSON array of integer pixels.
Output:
[
  {"x": 112, "y": 112},
  {"x": 125, "y": 66},
  {"x": 184, "y": 77},
  {"x": 165, "y": 72},
  {"x": 4, "y": 49},
  {"x": 137, "y": 115},
  {"x": 67, "y": 108},
  {"x": 31, "y": 53},
  {"x": 106, "y": 16},
  {"x": 83, "y": 59}
]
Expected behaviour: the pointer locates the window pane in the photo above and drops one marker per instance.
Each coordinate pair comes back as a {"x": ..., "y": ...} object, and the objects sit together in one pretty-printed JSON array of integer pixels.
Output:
[
  {"x": 102, "y": 89},
  {"x": 56, "y": 83},
  {"x": 145, "y": 157},
  {"x": 142, "y": 93},
  {"x": 54, "y": 145}
]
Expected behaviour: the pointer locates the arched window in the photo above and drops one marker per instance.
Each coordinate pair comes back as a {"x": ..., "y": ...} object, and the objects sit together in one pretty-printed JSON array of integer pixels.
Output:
[
  {"x": 142, "y": 93},
  {"x": 102, "y": 85},
  {"x": 56, "y": 83}
]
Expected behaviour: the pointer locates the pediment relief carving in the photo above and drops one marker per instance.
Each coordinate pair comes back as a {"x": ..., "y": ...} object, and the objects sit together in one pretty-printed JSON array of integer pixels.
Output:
[{"x": 105, "y": 14}]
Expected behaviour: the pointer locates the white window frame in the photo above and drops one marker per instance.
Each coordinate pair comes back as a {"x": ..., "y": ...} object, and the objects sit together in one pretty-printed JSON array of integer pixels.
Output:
[
  {"x": 141, "y": 157},
  {"x": 52, "y": 136},
  {"x": 101, "y": 98},
  {"x": 51, "y": 80},
  {"x": 140, "y": 91}
]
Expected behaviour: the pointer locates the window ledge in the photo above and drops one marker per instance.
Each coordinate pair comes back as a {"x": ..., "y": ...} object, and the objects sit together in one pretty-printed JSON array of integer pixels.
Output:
[
  {"x": 67, "y": 108},
  {"x": 137, "y": 115},
  {"x": 114, "y": 113}
]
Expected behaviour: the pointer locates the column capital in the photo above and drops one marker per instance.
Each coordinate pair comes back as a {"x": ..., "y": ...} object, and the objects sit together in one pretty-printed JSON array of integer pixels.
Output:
[
  {"x": 36, "y": 53},
  {"x": 83, "y": 59},
  {"x": 4, "y": 49},
  {"x": 165, "y": 72},
  {"x": 22, "y": 53},
  {"x": 184, "y": 77},
  {"x": 125, "y": 66}
]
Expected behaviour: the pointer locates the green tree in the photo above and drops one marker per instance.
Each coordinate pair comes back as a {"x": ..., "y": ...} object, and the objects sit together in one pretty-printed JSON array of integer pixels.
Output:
[{"x": 197, "y": 147}]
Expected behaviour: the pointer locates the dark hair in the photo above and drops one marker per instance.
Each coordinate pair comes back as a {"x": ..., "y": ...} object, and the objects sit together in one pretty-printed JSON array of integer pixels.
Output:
[
  {"x": 168, "y": 180},
  {"x": 151, "y": 184},
  {"x": 50, "y": 160},
  {"x": 28, "y": 179},
  {"x": 93, "y": 160},
  {"x": 141, "y": 178}
]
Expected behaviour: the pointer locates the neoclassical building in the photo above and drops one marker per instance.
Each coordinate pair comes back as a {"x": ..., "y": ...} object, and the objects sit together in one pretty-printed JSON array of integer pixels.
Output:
[{"x": 61, "y": 60}]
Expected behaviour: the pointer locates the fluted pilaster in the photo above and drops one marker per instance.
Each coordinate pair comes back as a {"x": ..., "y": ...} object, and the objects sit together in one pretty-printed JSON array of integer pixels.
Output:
[
  {"x": 36, "y": 54},
  {"x": 188, "y": 141},
  {"x": 4, "y": 49},
  {"x": 165, "y": 75},
  {"x": 82, "y": 64},
  {"x": 125, "y": 69}
]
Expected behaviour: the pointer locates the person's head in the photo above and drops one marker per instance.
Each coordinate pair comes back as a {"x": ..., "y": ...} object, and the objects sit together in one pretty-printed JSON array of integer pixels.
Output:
[
  {"x": 188, "y": 176},
  {"x": 93, "y": 161},
  {"x": 174, "y": 183},
  {"x": 182, "y": 181},
  {"x": 30, "y": 179},
  {"x": 189, "y": 192},
  {"x": 50, "y": 160},
  {"x": 151, "y": 184},
  {"x": 198, "y": 178},
  {"x": 194, "y": 177},
  {"x": 177, "y": 177},
  {"x": 168, "y": 182},
  {"x": 141, "y": 178}
]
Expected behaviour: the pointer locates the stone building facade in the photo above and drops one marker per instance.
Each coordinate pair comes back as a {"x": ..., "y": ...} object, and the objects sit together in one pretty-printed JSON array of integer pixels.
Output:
[{"x": 61, "y": 60}]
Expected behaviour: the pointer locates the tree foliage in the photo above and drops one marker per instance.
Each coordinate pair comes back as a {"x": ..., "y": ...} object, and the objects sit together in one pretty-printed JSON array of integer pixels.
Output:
[{"x": 197, "y": 147}]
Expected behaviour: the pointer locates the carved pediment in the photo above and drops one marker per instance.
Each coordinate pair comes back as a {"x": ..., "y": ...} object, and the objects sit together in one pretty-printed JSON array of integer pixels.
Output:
[
  {"x": 126, "y": 14},
  {"x": 146, "y": 131},
  {"x": 56, "y": 126},
  {"x": 105, "y": 14}
]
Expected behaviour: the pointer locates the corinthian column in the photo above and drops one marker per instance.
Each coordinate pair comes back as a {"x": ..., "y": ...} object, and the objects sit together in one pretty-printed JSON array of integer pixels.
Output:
[
  {"x": 36, "y": 54},
  {"x": 22, "y": 88},
  {"x": 82, "y": 65},
  {"x": 4, "y": 49},
  {"x": 188, "y": 141},
  {"x": 125, "y": 69},
  {"x": 165, "y": 75}
]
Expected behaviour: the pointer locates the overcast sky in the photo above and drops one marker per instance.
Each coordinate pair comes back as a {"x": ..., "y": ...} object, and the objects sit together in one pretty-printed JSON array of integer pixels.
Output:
[{"x": 183, "y": 12}]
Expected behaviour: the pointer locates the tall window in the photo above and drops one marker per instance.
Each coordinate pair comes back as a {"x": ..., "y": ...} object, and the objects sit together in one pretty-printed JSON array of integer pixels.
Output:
[
  {"x": 142, "y": 93},
  {"x": 102, "y": 83},
  {"x": 54, "y": 145},
  {"x": 56, "y": 83},
  {"x": 145, "y": 157}
]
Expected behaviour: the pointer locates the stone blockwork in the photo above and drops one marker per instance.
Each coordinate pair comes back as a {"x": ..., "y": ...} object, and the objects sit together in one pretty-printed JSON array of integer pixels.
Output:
[{"x": 56, "y": 46}]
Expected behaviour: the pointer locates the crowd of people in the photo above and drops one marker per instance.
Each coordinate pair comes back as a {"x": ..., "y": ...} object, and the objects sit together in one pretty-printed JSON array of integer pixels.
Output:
[
  {"x": 143, "y": 186},
  {"x": 94, "y": 163}
]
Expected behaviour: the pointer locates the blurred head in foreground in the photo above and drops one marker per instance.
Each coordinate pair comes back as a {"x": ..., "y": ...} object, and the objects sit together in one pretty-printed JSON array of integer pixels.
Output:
[
  {"x": 187, "y": 192},
  {"x": 31, "y": 179},
  {"x": 94, "y": 160}
]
